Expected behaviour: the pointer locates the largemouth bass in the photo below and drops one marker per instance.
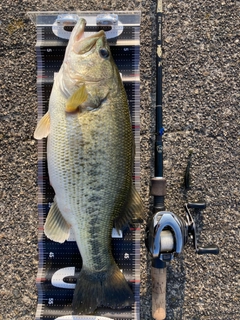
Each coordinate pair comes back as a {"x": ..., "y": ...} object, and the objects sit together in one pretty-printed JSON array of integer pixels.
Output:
[{"x": 90, "y": 151}]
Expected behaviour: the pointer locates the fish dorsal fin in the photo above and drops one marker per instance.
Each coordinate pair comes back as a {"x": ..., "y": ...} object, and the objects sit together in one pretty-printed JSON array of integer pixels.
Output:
[
  {"x": 56, "y": 228},
  {"x": 43, "y": 127},
  {"x": 76, "y": 99},
  {"x": 133, "y": 208}
]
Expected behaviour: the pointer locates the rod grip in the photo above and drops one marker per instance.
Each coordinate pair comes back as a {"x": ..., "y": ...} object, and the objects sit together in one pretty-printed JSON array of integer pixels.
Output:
[{"x": 159, "y": 276}]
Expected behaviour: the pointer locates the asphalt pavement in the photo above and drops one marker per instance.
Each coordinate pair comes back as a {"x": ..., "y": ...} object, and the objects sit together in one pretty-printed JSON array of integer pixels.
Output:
[{"x": 201, "y": 116}]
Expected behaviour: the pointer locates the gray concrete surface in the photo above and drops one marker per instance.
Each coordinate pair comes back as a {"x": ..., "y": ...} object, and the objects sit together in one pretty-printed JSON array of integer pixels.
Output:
[{"x": 201, "y": 113}]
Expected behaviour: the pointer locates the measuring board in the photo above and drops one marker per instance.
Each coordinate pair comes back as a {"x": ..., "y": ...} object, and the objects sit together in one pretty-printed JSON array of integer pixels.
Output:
[{"x": 60, "y": 264}]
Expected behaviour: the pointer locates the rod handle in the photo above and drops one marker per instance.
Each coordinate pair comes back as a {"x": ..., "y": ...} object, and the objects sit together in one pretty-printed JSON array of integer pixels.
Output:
[{"x": 159, "y": 277}]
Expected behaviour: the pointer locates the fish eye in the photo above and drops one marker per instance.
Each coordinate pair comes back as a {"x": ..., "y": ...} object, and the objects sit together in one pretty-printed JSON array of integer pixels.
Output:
[{"x": 104, "y": 53}]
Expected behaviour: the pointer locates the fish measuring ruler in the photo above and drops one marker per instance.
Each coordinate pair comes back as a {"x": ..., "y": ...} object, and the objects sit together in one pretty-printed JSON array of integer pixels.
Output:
[{"x": 59, "y": 264}]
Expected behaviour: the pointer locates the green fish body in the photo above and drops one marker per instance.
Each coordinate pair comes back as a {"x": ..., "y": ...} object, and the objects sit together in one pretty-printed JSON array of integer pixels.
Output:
[{"x": 90, "y": 153}]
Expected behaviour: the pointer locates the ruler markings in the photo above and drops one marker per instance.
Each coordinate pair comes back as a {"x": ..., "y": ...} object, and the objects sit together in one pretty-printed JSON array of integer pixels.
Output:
[{"x": 49, "y": 251}]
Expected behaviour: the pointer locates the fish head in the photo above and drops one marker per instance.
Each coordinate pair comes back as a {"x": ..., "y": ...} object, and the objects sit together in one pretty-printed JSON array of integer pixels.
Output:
[{"x": 87, "y": 60}]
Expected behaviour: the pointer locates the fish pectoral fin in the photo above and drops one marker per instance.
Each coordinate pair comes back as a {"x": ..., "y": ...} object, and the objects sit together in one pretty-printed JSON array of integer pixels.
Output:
[
  {"x": 133, "y": 209},
  {"x": 43, "y": 127},
  {"x": 56, "y": 227},
  {"x": 76, "y": 99}
]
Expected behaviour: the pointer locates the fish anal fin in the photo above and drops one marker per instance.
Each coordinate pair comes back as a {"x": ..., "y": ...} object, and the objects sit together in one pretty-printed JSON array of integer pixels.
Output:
[
  {"x": 43, "y": 127},
  {"x": 56, "y": 227},
  {"x": 133, "y": 209},
  {"x": 76, "y": 99}
]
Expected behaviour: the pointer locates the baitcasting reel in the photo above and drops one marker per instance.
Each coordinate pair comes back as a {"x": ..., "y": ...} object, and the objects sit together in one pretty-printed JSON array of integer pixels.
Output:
[{"x": 167, "y": 234}]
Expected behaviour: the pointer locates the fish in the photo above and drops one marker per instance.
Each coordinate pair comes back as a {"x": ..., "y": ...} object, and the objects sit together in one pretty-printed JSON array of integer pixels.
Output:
[{"x": 90, "y": 156}]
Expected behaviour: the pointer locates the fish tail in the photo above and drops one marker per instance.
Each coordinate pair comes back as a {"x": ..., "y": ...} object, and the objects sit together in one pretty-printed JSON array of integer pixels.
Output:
[{"x": 105, "y": 288}]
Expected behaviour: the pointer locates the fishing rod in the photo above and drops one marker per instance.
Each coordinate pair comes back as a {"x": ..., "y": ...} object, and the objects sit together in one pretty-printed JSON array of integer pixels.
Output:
[
  {"x": 158, "y": 183},
  {"x": 166, "y": 233}
]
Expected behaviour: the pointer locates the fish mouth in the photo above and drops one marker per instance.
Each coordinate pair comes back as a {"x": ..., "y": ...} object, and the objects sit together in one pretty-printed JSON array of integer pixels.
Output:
[
  {"x": 79, "y": 30},
  {"x": 82, "y": 44}
]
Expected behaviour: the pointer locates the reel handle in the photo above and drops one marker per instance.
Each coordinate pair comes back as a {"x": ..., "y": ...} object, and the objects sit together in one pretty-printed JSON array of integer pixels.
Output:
[
  {"x": 159, "y": 278},
  {"x": 208, "y": 250},
  {"x": 196, "y": 205}
]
